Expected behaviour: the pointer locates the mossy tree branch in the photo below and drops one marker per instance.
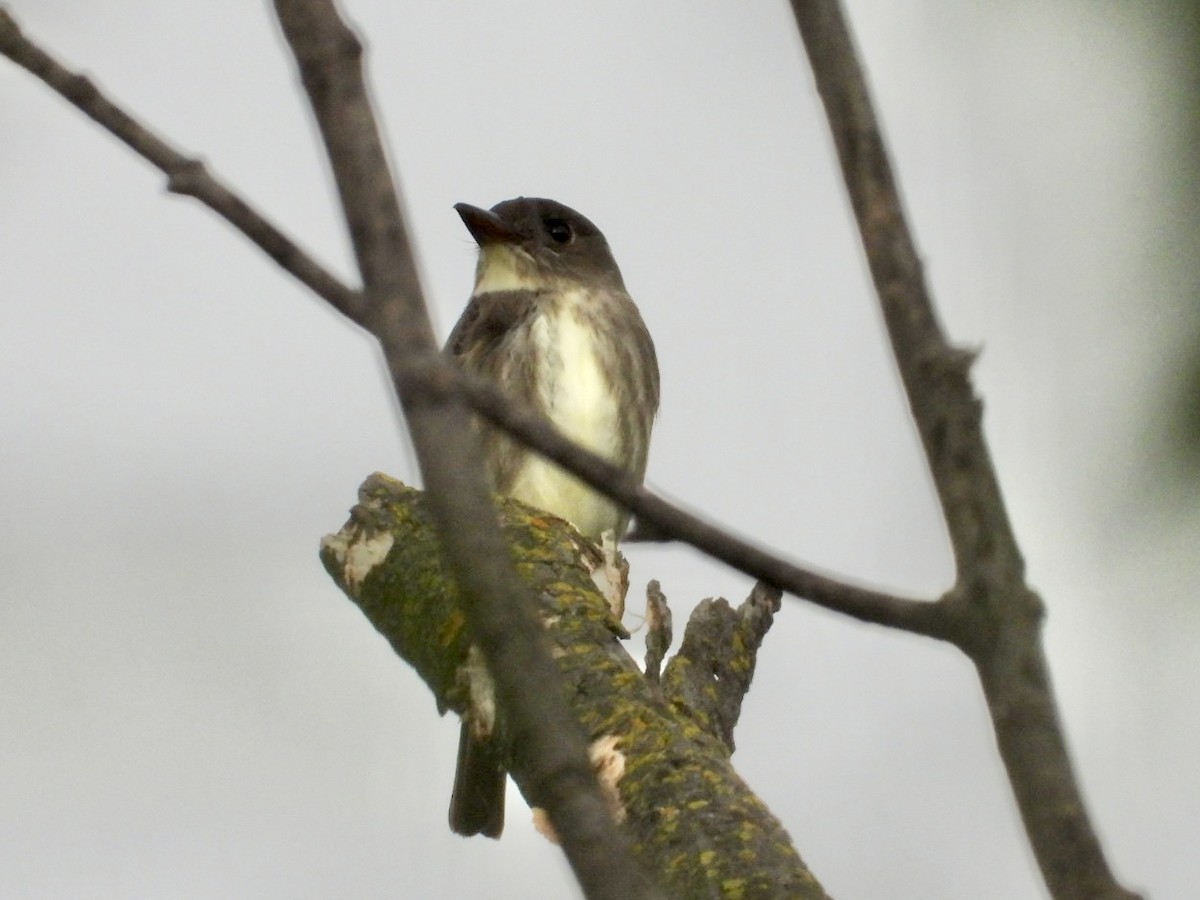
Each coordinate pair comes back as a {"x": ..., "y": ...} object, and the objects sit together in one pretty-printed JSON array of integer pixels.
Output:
[
  {"x": 991, "y": 614},
  {"x": 696, "y": 827}
]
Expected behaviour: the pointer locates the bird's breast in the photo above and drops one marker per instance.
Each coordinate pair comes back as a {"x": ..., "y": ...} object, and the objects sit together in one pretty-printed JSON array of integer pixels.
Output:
[
  {"x": 574, "y": 378},
  {"x": 577, "y": 389}
]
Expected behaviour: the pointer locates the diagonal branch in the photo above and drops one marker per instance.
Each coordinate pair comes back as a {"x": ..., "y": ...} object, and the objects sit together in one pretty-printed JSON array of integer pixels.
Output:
[
  {"x": 696, "y": 826},
  {"x": 933, "y": 619},
  {"x": 934, "y": 373},
  {"x": 185, "y": 174},
  {"x": 188, "y": 176},
  {"x": 991, "y": 614},
  {"x": 498, "y": 611},
  {"x": 1000, "y": 616}
]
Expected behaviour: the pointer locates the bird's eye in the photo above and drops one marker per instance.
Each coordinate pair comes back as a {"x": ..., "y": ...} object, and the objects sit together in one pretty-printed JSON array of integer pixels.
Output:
[{"x": 559, "y": 230}]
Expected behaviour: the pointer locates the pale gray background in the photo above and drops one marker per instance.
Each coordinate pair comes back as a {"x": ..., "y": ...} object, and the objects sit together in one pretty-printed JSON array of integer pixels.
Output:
[{"x": 190, "y": 709}]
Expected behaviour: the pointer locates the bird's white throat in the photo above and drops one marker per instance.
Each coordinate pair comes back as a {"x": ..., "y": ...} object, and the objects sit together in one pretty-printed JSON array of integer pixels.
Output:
[{"x": 503, "y": 267}]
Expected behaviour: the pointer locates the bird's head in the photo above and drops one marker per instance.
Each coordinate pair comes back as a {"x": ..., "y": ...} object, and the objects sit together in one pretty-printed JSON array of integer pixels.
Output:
[{"x": 534, "y": 244}]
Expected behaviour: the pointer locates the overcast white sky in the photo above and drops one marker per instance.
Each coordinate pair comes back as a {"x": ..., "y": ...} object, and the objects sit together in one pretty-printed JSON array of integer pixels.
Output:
[{"x": 189, "y": 708}]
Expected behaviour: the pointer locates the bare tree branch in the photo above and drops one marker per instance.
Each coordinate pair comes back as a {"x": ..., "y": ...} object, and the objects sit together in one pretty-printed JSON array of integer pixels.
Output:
[
  {"x": 1000, "y": 617},
  {"x": 185, "y": 175},
  {"x": 990, "y": 613},
  {"x": 497, "y": 608},
  {"x": 669, "y": 521},
  {"x": 188, "y": 176}
]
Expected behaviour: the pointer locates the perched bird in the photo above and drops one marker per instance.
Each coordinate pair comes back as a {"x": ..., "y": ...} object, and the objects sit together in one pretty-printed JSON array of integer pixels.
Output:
[{"x": 551, "y": 323}]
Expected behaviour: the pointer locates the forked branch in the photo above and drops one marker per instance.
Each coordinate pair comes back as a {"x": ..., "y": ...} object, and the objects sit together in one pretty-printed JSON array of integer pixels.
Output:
[
  {"x": 998, "y": 618},
  {"x": 991, "y": 614}
]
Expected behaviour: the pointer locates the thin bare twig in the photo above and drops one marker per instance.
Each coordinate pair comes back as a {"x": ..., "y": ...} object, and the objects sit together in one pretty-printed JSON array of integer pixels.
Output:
[
  {"x": 999, "y": 617},
  {"x": 990, "y": 613},
  {"x": 188, "y": 176},
  {"x": 933, "y": 619},
  {"x": 393, "y": 309},
  {"x": 185, "y": 174}
]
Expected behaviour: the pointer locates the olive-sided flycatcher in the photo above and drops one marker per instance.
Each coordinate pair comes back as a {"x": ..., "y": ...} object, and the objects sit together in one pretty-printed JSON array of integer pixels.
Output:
[{"x": 551, "y": 323}]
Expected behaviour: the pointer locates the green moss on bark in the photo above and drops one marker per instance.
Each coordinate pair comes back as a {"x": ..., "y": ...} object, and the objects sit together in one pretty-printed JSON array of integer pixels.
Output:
[{"x": 697, "y": 828}]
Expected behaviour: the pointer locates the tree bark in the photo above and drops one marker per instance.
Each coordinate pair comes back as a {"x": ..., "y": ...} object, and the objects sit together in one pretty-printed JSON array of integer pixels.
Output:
[{"x": 696, "y": 827}]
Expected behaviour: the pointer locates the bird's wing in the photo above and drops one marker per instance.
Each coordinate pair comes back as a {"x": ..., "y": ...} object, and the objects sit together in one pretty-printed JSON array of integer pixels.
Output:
[{"x": 486, "y": 320}]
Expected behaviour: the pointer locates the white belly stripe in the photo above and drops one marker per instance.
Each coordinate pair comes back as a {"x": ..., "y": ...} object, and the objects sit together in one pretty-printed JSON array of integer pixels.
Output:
[{"x": 575, "y": 395}]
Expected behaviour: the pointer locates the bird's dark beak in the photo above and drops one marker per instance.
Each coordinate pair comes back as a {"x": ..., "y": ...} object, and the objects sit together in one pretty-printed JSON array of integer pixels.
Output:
[{"x": 485, "y": 226}]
